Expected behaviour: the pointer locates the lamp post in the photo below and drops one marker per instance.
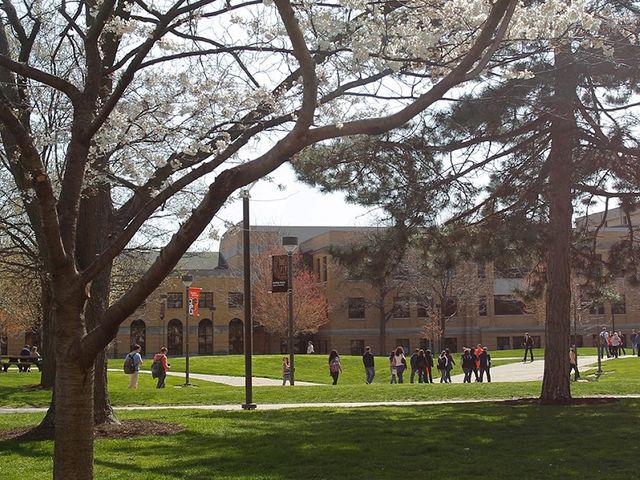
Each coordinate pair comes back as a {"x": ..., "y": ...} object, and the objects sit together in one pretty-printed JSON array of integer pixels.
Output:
[
  {"x": 248, "y": 322},
  {"x": 163, "y": 310},
  {"x": 290, "y": 244},
  {"x": 187, "y": 280}
]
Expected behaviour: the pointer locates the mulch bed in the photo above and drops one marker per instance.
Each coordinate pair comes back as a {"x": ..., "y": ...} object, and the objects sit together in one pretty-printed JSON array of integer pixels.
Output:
[{"x": 127, "y": 429}]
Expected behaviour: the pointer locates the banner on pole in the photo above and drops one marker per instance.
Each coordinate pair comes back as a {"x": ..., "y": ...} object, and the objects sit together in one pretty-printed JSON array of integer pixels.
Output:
[
  {"x": 279, "y": 273},
  {"x": 194, "y": 300}
]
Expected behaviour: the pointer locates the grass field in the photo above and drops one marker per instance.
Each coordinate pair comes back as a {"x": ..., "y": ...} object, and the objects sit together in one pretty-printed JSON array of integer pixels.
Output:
[
  {"x": 494, "y": 441},
  {"x": 621, "y": 377}
]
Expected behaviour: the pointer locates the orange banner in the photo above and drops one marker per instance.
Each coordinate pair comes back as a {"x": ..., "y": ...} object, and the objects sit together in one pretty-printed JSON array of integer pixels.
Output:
[{"x": 194, "y": 300}]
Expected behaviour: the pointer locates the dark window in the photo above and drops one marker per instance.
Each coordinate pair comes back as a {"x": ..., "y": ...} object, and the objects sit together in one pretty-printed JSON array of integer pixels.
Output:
[
  {"x": 174, "y": 337},
  {"x": 618, "y": 307},
  {"x": 579, "y": 340},
  {"x": 426, "y": 344},
  {"x": 505, "y": 268},
  {"x": 323, "y": 273},
  {"x": 507, "y": 305},
  {"x": 482, "y": 306},
  {"x": 481, "y": 270},
  {"x": 451, "y": 343},
  {"x": 32, "y": 338},
  {"x": 206, "y": 300},
  {"x": 423, "y": 306},
  {"x": 138, "y": 335},
  {"x": 405, "y": 344},
  {"x": 174, "y": 300},
  {"x": 205, "y": 337},
  {"x": 317, "y": 269},
  {"x": 357, "y": 347},
  {"x": 356, "y": 307},
  {"x": 596, "y": 308},
  {"x": 4, "y": 343},
  {"x": 236, "y": 336},
  {"x": 236, "y": 299},
  {"x": 504, "y": 343},
  {"x": 450, "y": 307},
  {"x": 401, "y": 307}
]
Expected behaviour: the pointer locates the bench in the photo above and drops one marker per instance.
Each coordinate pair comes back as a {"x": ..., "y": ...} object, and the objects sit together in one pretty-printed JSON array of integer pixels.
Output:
[{"x": 23, "y": 362}]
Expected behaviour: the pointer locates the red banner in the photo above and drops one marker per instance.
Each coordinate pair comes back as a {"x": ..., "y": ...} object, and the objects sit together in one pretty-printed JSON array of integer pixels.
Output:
[{"x": 194, "y": 300}]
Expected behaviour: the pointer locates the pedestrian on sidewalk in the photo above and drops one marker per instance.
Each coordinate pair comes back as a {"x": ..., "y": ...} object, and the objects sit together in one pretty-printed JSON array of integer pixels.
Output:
[
  {"x": 412, "y": 361},
  {"x": 573, "y": 362},
  {"x": 421, "y": 365},
  {"x": 528, "y": 346},
  {"x": 485, "y": 364},
  {"x": 161, "y": 366},
  {"x": 615, "y": 344},
  {"x": 401, "y": 362},
  {"x": 621, "y": 349},
  {"x": 476, "y": 366},
  {"x": 392, "y": 367},
  {"x": 136, "y": 358},
  {"x": 634, "y": 342},
  {"x": 468, "y": 361},
  {"x": 429, "y": 358},
  {"x": 603, "y": 343},
  {"x": 286, "y": 371},
  {"x": 335, "y": 367},
  {"x": 450, "y": 364},
  {"x": 442, "y": 366},
  {"x": 369, "y": 365}
]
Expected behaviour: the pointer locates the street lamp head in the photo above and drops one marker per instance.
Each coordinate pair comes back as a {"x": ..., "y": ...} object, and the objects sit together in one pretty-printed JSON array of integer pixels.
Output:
[
  {"x": 187, "y": 280},
  {"x": 289, "y": 243}
]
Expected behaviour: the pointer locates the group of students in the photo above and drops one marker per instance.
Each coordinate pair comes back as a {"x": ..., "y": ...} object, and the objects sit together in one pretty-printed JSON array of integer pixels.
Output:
[
  {"x": 29, "y": 356},
  {"x": 159, "y": 366}
]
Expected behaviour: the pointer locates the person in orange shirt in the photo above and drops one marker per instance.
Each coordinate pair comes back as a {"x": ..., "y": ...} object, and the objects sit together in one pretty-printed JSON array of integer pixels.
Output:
[
  {"x": 477, "y": 351},
  {"x": 163, "y": 366}
]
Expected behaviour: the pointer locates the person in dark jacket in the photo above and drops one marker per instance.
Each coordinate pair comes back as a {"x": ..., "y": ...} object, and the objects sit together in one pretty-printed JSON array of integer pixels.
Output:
[
  {"x": 429, "y": 358},
  {"x": 421, "y": 365},
  {"x": 412, "y": 361},
  {"x": 468, "y": 360},
  {"x": 443, "y": 362},
  {"x": 484, "y": 360},
  {"x": 528, "y": 346},
  {"x": 450, "y": 364},
  {"x": 335, "y": 367},
  {"x": 369, "y": 365}
]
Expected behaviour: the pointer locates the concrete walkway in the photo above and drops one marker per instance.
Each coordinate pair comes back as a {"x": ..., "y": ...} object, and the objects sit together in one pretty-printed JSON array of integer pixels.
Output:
[{"x": 228, "y": 379}]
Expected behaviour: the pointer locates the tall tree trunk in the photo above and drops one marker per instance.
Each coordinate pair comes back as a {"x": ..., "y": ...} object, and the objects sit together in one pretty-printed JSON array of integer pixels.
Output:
[
  {"x": 73, "y": 447},
  {"x": 47, "y": 378},
  {"x": 555, "y": 385},
  {"x": 383, "y": 323}
]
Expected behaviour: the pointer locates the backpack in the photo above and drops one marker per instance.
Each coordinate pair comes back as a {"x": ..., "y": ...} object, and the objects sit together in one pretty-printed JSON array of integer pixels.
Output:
[
  {"x": 156, "y": 369},
  {"x": 334, "y": 366},
  {"x": 442, "y": 362},
  {"x": 129, "y": 366}
]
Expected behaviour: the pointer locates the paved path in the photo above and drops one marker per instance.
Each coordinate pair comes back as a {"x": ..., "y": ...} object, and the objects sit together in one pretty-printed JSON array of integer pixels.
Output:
[{"x": 228, "y": 379}]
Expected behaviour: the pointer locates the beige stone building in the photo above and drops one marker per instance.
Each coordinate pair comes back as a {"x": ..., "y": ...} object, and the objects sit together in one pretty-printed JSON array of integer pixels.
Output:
[{"x": 484, "y": 309}]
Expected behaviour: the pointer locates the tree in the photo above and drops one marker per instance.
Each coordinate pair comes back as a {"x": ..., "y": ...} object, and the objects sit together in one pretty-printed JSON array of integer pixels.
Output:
[
  {"x": 310, "y": 306},
  {"x": 100, "y": 123}
]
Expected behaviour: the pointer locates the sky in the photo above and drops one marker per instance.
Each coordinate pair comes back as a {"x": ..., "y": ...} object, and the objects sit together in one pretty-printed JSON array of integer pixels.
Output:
[{"x": 297, "y": 205}]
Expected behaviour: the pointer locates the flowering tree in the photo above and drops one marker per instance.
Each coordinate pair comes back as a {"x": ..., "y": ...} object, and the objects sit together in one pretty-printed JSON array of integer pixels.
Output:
[
  {"x": 114, "y": 112},
  {"x": 310, "y": 306}
]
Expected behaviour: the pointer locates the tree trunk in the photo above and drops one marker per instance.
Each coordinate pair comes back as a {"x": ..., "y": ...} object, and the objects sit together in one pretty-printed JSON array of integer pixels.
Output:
[
  {"x": 47, "y": 378},
  {"x": 383, "y": 324},
  {"x": 555, "y": 385},
  {"x": 73, "y": 447}
]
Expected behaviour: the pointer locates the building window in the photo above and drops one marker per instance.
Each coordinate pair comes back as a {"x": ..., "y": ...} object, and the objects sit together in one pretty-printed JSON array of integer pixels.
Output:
[
  {"x": 357, "y": 347},
  {"x": 482, "y": 306},
  {"x": 205, "y": 337},
  {"x": 507, "y": 305},
  {"x": 426, "y": 344},
  {"x": 503, "y": 343},
  {"x": 356, "y": 307},
  {"x": 401, "y": 307},
  {"x": 174, "y": 300},
  {"x": 317, "y": 269},
  {"x": 618, "y": 307},
  {"x": 422, "y": 307},
  {"x": 405, "y": 344},
  {"x": 450, "y": 307},
  {"x": 206, "y": 300},
  {"x": 596, "y": 308},
  {"x": 451, "y": 343},
  {"x": 174, "y": 337},
  {"x": 481, "y": 270},
  {"x": 236, "y": 299},
  {"x": 323, "y": 273},
  {"x": 4, "y": 343},
  {"x": 579, "y": 340},
  {"x": 138, "y": 335}
]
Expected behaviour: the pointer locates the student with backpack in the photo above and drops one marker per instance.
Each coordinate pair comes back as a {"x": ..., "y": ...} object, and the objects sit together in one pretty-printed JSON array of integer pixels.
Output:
[
  {"x": 132, "y": 363},
  {"x": 335, "y": 368},
  {"x": 159, "y": 367},
  {"x": 468, "y": 361},
  {"x": 443, "y": 362}
]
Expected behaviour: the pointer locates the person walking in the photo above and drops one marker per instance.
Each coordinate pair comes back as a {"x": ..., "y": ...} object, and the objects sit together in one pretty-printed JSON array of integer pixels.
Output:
[
  {"x": 476, "y": 367},
  {"x": 603, "y": 343},
  {"x": 421, "y": 365},
  {"x": 573, "y": 362},
  {"x": 401, "y": 362},
  {"x": 450, "y": 363},
  {"x": 528, "y": 346},
  {"x": 615, "y": 344},
  {"x": 412, "y": 361},
  {"x": 634, "y": 342},
  {"x": 621, "y": 349},
  {"x": 162, "y": 366},
  {"x": 137, "y": 362},
  {"x": 468, "y": 362},
  {"x": 428, "y": 369},
  {"x": 484, "y": 360},
  {"x": 369, "y": 365},
  {"x": 443, "y": 362},
  {"x": 392, "y": 367},
  {"x": 286, "y": 371},
  {"x": 310, "y": 348},
  {"x": 335, "y": 367}
]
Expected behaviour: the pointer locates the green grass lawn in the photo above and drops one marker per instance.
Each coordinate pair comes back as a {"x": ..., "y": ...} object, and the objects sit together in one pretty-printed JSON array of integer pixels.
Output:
[
  {"x": 621, "y": 376},
  {"x": 494, "y": 441}
]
